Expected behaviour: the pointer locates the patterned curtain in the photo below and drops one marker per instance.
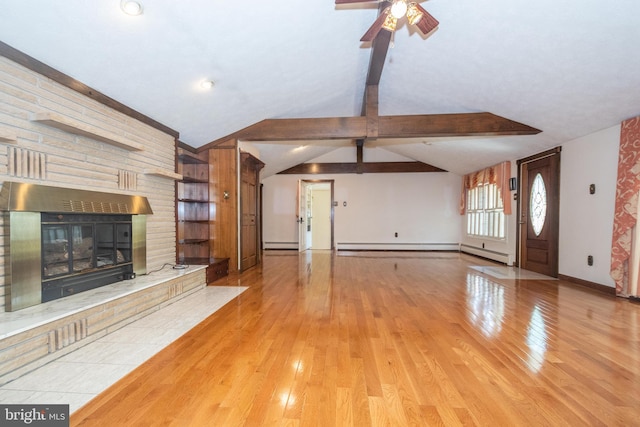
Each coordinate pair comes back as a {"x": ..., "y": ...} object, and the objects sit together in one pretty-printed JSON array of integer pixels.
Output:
[
  {"x": 497, "y": 174},
  {"x": 626, "y": 211}
]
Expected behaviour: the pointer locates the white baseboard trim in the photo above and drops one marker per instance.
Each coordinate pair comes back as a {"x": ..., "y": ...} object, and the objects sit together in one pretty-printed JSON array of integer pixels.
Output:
[{"x": 486, "y": 253}]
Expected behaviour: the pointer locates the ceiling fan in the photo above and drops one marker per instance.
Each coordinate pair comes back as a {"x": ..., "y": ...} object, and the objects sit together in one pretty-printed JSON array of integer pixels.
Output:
[{"x": 388, "y": 18}]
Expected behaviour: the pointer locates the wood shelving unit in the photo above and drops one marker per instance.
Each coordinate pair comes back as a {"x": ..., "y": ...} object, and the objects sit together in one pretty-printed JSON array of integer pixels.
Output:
[{"x": 192, "y": 203}]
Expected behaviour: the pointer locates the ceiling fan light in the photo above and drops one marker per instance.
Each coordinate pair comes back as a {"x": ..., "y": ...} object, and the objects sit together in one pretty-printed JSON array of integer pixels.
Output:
[
  {"x": 399, "y": 8},
  {"x": 207, "y": 84},
  {"x": 130, "y": 7},
  {"x": 413, "y": 14},
  {"x": 390, "y": 23}
]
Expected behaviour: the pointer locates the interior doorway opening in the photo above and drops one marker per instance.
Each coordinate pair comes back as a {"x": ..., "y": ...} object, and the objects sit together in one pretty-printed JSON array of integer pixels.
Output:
[{"x": 316, "y": 214}]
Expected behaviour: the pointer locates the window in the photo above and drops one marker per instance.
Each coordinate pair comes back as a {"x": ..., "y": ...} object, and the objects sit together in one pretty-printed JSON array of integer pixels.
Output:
[
  {"x": 482, "y": 200},
  {"x": 538, "y": 204},
  {"x": 485, "y": 213}
]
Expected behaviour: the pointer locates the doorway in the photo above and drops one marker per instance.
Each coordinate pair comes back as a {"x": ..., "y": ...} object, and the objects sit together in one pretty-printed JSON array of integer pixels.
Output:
[
  {"x": 539, "y": 212},
  {"x": 315, "y": 214}
]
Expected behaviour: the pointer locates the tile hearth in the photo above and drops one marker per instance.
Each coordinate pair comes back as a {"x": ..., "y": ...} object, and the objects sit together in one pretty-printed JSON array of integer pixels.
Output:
[
  {"x": 12, "y": 323},
  {"x": 104, "y": 361},
  {"x": 36, "y": 335}
]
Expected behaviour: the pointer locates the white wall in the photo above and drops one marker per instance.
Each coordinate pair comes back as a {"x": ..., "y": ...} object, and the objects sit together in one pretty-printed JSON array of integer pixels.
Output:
[
  {"x": 586, "y": 221},
  {"x": 420, "y": 207},
  {"x": 423, "y": 209}
]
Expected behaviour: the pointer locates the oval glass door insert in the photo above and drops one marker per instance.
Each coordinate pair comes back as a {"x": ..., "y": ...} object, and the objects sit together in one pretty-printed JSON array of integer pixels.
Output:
[{"x": 538, "y": 204}]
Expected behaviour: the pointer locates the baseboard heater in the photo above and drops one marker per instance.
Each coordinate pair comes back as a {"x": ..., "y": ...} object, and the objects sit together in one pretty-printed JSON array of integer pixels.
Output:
[
  {"x": 373, "y": 246},
  {"x": 386, "y": 246},
  {"x": 280, "y": 245},
  {"x": 485, "y": 253}
]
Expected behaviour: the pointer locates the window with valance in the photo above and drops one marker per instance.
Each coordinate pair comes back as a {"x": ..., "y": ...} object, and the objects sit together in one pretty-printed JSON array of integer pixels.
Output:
[{"x": 482, "y": 200}]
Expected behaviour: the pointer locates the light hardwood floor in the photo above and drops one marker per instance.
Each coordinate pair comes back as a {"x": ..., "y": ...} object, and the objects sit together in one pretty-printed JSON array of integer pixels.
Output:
[{"x": 384, "y": 338}]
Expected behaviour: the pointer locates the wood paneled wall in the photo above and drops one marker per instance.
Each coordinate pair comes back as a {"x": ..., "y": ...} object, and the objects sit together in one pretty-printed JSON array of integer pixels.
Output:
[{"x": 223, "y": 178}]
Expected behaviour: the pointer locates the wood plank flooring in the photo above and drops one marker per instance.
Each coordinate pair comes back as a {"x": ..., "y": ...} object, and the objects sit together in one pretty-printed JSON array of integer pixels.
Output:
[{"x": 390, "y": 339}]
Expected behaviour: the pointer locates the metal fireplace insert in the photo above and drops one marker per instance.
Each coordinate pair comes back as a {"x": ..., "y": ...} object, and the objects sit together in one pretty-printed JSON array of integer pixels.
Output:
[
  {"x": 82, "y": 252},
  {"x": 63, "y": 241}
]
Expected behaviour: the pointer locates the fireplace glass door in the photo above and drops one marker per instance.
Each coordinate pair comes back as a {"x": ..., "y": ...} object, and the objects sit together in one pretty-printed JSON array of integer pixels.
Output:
[
  {"x": 67, "y": 248},
  {"x": 70, "y": 248},
  {"x": 113, "y": 244},
  {"x": 80, "y": 252}
]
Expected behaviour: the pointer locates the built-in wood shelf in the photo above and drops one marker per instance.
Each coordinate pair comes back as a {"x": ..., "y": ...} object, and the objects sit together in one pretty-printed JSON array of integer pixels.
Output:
[
  {"x": 190, "y": 160},
  {"x": 163, "y": 174},
  {"x": 8, "y": 138},
  {"x": 192, "y": 209},
  {"x": 193, "y": 241},
  {"x": 77, "y": 127}
]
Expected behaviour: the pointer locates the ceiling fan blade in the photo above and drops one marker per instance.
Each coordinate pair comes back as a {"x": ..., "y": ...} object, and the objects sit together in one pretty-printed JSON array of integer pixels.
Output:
[
  {"x": 355, "y": 1},
  {"x": 374, "y": 29},
  {"x": 427, "y": 23}
]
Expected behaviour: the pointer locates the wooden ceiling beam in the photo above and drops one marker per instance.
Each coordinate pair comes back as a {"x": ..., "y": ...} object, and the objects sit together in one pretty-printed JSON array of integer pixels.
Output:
[
  {"x": 369, "y": 167},
  {"x": 359, "y": 155},
  {"x": 413, "y": 126},
  {"x": 379, "y": 49},
  {"x": 371, "y": 111},
  {"x": 305, "y": 129},
  {"x": 462, "y": 124}
]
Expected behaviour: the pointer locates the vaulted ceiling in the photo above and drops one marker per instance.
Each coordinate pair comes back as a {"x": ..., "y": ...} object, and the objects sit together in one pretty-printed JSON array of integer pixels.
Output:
[{"x": 566, "y": 68}]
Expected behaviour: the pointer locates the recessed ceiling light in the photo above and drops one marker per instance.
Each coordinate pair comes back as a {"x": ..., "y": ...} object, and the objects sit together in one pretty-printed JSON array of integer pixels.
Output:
[
  {"x": 206, "y": 84},
  {"x": 131, "y": 7}
]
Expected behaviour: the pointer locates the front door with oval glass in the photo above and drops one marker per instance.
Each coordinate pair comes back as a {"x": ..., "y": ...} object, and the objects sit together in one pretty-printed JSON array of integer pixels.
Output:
[{"x": 539, "y": 211}]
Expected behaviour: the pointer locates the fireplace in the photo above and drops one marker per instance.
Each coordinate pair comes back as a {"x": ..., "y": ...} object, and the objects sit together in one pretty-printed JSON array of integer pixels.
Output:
[
  {"x": 64, "y": 241},
  {"x": 82, "y": 252}
]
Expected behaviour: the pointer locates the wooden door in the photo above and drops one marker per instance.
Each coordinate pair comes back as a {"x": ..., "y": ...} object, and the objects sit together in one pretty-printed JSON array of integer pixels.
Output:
[
  {"x": 539, "y": 213},
  {"x": 249, "y": 224},
  {"x": 249, "y": 218}
]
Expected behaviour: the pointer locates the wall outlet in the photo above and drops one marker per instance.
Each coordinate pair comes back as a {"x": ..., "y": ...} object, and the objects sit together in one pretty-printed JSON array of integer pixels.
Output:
[
  {"x": 590, "y": 260},
  {"x": 396, "y": 234}
]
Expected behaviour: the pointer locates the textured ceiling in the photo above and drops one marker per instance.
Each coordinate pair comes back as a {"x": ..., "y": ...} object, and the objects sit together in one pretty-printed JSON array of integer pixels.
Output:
[{"x": 568, "y": 67}]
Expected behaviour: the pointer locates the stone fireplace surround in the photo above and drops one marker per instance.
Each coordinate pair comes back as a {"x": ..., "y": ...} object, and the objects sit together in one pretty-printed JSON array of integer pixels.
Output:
[
  {"x": 33, "y": 336},
  {"x": 58, "y": 131}
]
